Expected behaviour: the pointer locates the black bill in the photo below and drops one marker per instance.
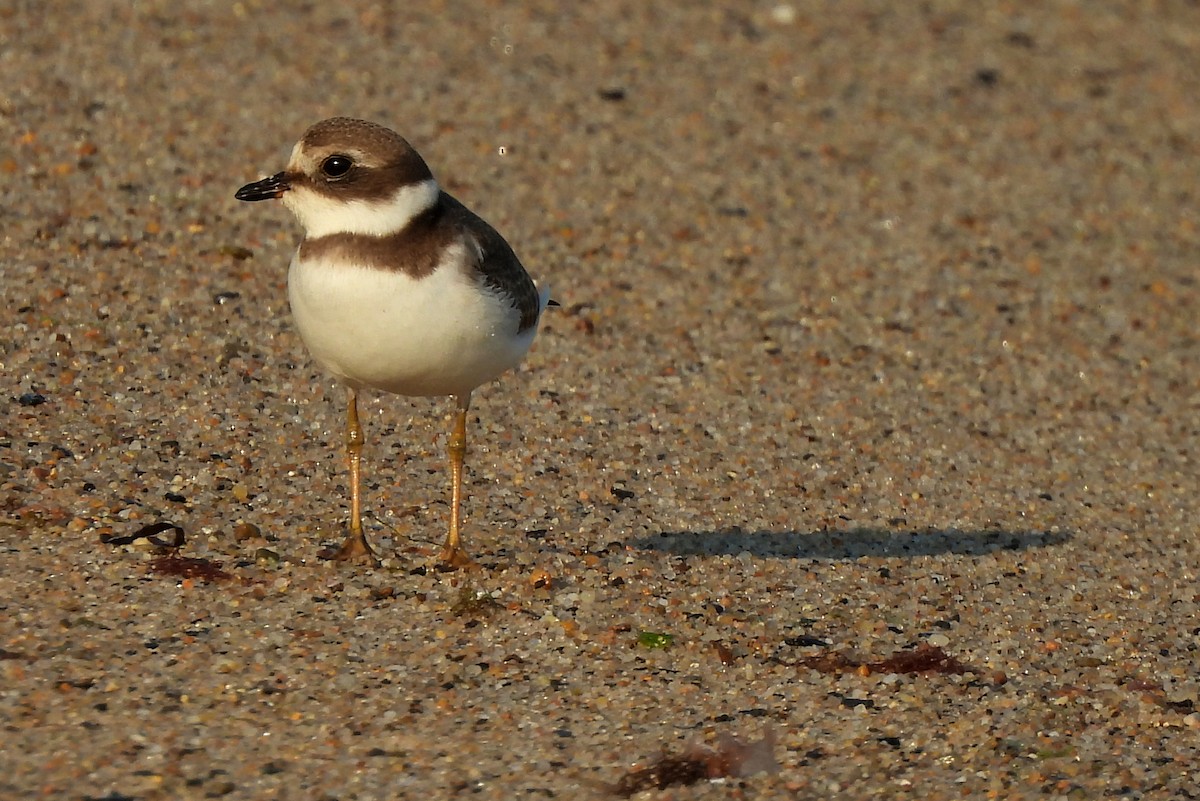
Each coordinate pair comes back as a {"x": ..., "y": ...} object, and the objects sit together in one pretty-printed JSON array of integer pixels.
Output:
[{"x": 266, "y": 189}]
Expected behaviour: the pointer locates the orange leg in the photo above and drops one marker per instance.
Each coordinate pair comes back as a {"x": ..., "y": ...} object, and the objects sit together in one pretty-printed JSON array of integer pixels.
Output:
[
  {"x": 355, "y": 544},
  {"x": 453, "y": 556}
]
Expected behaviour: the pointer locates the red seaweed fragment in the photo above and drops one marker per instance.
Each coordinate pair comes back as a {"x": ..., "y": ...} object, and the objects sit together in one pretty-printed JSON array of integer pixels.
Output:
[
  {"x": 831, "y": 662},
  {"x": 666, "y": 771},
  {"x": 188, "y": 567},
  {"x": 924, "y": 658},
  {"x": 170, "y": 537},
  {"x": 730, "y": 757}
]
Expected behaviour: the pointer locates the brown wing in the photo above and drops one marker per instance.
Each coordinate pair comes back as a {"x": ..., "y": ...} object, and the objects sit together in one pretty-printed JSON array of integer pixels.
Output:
[{"x": 499, "y": 267}]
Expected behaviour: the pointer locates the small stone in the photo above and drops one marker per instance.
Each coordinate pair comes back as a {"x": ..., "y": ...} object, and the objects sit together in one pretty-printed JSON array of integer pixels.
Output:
[
  {"x": 267, "y": 555},
  {"x": 783, "y": 14},
  {"x": 246, "y": 531}
]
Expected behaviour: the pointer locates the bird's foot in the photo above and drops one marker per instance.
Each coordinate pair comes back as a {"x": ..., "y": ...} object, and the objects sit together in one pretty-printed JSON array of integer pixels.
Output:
[
  {"x": 454, "y": 558},
  {"x": 353, "y": 549}
]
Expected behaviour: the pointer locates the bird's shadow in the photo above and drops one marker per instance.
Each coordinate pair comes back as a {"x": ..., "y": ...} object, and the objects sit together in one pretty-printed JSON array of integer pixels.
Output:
[{"x": 849, "y": 543}]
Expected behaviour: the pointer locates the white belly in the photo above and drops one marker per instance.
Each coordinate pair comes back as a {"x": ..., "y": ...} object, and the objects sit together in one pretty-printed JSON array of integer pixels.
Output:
[{"x": 439, "y": 335}]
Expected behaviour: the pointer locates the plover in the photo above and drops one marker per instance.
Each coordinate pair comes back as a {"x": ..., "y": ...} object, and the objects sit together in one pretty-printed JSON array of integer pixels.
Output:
[{"x": 397, "y": 287}]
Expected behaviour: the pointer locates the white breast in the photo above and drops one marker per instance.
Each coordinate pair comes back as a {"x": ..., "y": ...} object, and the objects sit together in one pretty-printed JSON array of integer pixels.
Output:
[{"x": 440, "y": 335}]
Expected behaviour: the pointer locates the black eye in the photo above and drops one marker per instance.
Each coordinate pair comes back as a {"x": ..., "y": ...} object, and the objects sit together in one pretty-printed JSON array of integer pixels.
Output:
[{"x": 336, "y": 166}]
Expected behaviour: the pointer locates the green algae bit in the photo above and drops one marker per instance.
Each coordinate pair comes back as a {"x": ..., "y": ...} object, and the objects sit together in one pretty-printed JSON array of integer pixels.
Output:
[{"x": 654, "y": 639}]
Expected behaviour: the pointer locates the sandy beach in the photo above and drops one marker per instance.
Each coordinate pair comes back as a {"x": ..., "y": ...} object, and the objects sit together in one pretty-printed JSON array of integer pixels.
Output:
[{"x": 869, "y": 420}]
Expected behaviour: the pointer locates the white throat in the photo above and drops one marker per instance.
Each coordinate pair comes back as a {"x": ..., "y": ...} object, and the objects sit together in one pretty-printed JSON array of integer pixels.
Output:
[{"x": 322, "y": 215}]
